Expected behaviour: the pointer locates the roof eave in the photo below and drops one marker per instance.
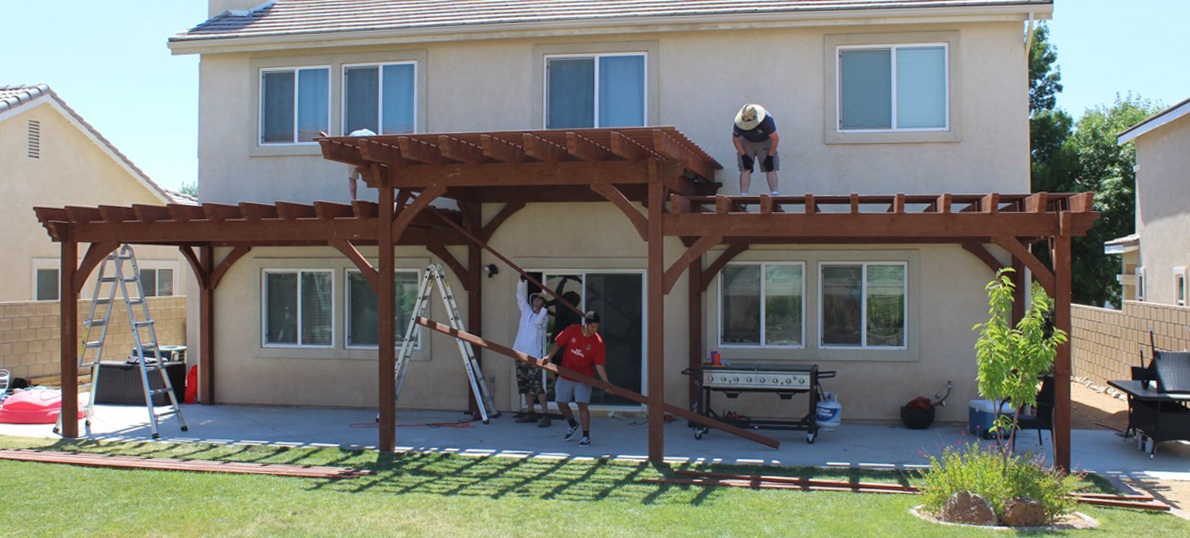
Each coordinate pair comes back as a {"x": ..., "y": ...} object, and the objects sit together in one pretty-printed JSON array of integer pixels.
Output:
[
  {"x": 915, "y": 15},
  {"x": 1152, "y": 122}
]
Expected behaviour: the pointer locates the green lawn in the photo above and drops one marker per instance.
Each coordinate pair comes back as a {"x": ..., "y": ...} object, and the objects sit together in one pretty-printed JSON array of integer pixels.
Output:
[{"x": 446, "y": 495}]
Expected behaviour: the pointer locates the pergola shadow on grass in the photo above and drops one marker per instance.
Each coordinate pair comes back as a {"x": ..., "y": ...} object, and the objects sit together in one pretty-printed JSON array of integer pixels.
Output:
[{"x": 655, "y": 168}]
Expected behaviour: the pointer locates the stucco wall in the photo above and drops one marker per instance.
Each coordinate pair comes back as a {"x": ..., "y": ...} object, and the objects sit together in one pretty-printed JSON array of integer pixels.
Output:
[
  {"x": 71, "y": 170},
  {"x": 698, "y": 82},
  {"x": 1163, "y": 206},
  {"x": 29, "y": 336}
]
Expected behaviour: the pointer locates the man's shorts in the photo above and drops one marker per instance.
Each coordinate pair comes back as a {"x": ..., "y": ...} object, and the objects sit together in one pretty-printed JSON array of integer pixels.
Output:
[
  {"x": 566, "y": 390},
  {"x": 528, "y": 379},
  {"x": 758, "y": 151}
]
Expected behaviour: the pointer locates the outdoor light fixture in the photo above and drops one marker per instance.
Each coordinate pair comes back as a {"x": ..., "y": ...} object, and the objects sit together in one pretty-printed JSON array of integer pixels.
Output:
[{"x": 491, "y": 269}]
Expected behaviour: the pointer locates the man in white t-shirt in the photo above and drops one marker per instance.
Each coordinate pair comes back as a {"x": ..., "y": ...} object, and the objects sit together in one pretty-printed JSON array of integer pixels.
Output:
[{"x": 530, "y": 337}]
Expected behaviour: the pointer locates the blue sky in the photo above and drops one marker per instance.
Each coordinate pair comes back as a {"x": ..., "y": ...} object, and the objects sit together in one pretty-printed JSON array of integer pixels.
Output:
[{"x": 109, "y": 61}]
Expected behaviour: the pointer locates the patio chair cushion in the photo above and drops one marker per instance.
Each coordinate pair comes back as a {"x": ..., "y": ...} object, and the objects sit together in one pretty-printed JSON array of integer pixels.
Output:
[{"x": 1173, "y": 370}]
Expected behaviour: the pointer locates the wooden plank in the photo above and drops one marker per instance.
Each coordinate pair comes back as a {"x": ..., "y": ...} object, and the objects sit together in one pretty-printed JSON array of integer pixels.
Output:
[
  {"x": 669, "y": 147},
  {"x": 543, "y": 150},
  {"x": 655, "y": 319},
  {"x": 420, "y": 151},
  {"x": 334, "y": 150},
  {"x": 363, "y": 209},
  {"x": 221, "y": 212},
  {"x": 1037, "y": 202},
  {"x": 292, "y": 211},
  {"x": 116, "y": 214},
  {"x": 332, "y": 210},
  {"x": 150, "y": 213},
  {"x": 379, "y": 152},
  {"x": 598, "y": 383},
  {"x": 185, "y": 213},
  {"x": 899, "y": 204},
  {"x": 83, "y": 214},
  {"x": 585, "y": 149},
  {"x": 761, "y": 485},
  {"x": 854, "y": 204},
  {"x": 900, "y": 488},
  {"x": 173, "y": 464},
  {"x": 766, "y": 204},
  {"x": 255, "y": 212},
  {"x": 990, "y": 203},
  {"x": 810, "y": 205},
  {"x": 629, "y": 149},
  {"x": 457, "y": 149},
  {"x": 501, "y": 150},
  {"x": 943, "y": 203}
]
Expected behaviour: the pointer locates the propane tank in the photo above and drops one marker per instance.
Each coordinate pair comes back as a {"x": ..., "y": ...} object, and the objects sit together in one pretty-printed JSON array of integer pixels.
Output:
[{"x": 829, "y": 411}]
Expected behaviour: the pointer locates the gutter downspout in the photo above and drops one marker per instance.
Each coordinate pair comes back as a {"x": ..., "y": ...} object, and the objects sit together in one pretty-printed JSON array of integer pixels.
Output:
[{"x": 1029, "y": 37}]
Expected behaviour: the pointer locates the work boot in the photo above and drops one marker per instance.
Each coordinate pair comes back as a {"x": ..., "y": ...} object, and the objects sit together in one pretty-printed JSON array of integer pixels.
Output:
[
  {"x": 527, "y": 417},
  {"x": 545, "y": 422}
]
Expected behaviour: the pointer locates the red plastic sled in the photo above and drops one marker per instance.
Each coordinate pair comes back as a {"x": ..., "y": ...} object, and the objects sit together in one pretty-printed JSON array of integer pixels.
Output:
[{"x": 34, "y": 407}]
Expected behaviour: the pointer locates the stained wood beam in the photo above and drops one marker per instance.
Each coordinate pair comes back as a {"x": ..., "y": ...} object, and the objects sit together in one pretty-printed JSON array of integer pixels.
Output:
[
  {"x": 713, "y": 269},
  {"x": 542, "y": 149},
  {"x": 292, "y": 211},
  {"x": 669, "y": 147},
  {"x": 1037, "y": 202},
  {"x": 379, "y": 152},
  {"x": 811, "y": 207},
  {"x": 255, "y": 212},
  {"x": 538, "y": 174},
  {"x": 463, "y": 274},
  {"x": 943, "y": 203},
  {"x": 983, "y": 254},
  {"x": 766, "y": 204},
  {"x": 365, "y": 268},
  {"x": 332, "y": 210},
  {"x": 96, "y": 252},
  {"x": 460, "y": 150},
  {"x": 221, "y": 212},
  {"x": 204, "y": 278},
  {"x": 417, "y": 150},
  {"x": 954, "y": 226},
  {"x": 629, "y": 149},
  {"x": 585, "y": 149},
  {"x": 501, "y": 150},
  {"x": 333, "y": 150},
  {"x": 185, "y": 213},
  {"x": 363, "y": 209},
  {"x": 405, "y": 217},
  {"x": 116, "y": 214},
  {"x": 150, "y": 213},
  {"x": 990, "y": 203},
  {"x": 598, "y": 383},
  {"x": 613, "y": 195},
  {"x": 692, "y": 254},
  {"x": 505, "y": 213},
  {"x": 83, "y": 214},
  {"x": 225, "y": 265},
  {"x": 1018, "y": 251}
]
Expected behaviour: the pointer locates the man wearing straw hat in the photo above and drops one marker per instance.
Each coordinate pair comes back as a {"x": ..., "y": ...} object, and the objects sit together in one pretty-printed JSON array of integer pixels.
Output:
[{"x": 755, "y": 137}]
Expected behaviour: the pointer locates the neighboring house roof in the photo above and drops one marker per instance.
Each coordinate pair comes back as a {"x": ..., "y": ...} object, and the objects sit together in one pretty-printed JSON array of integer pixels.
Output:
[
  {"x": 303, "y": 17},
  {"x": 18, "y": 98},
  {"x": 1152, "y": 122},
  {"x": 1120, "y": 245},
  {"x": 182, "y": 198}
]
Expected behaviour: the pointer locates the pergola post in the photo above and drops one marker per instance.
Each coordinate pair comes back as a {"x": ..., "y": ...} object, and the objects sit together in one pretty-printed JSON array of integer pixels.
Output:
[
  {"x": 1062, "y": 366},
  {"x": 68, "y": 334},
  {"x": 206, "y": 326},
  {"x": 694, "y": 293},
  {"x": 656, "y": 323},
  {"x": 386, "y": 316},
  {"x": 472, "y": 216}
]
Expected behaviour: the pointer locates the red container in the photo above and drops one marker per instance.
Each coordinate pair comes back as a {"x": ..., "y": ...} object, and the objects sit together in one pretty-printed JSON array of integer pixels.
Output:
[{"x": 39, "y": 406}]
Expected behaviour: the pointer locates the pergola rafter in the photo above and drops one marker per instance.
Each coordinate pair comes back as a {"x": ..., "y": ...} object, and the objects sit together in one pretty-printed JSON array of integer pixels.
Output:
[{"x": 657, "y": 168}]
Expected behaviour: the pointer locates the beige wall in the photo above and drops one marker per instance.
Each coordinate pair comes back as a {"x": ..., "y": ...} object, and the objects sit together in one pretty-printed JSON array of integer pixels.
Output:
[
  {"x": 700, "y": 80},
  {"x": 1106, "y": 343},
  {"x": 72, "y": 170},
  {"x": 29, "y": 336},
  {"x": 1163, "y": 206}
]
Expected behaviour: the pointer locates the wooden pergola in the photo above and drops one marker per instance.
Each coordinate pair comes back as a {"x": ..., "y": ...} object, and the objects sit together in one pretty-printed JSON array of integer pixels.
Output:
[{"x": 656, "y": 167}]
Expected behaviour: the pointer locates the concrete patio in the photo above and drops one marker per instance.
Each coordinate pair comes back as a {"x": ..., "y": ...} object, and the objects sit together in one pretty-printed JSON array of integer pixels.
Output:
[{"x": 888, "y": 446}]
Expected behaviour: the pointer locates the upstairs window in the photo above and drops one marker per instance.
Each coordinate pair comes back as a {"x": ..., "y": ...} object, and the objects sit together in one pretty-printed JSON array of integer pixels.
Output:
[
  {"x": 380, "y": 98},
  {"x": 294, "y": 104},
  {"x": 588, "y": 91},
  {"x": 893, "y": 88}
]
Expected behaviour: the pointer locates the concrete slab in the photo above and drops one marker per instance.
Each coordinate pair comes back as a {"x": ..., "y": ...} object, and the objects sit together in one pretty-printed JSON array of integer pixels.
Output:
[{"x": 887, "y": 446}]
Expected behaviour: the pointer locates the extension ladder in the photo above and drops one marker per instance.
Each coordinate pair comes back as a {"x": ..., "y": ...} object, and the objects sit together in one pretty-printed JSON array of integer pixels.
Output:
[
  {"x": 144, "y": 342},
  {"x": 436, "y": 275}
]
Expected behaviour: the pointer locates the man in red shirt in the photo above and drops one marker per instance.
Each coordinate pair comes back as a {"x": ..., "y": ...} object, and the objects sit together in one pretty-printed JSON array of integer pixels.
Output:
[{"x": 584, "y": 353}]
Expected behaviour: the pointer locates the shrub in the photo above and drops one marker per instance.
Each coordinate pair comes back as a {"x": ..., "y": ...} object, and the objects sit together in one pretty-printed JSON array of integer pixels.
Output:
[{"x": 998, "y": 480}]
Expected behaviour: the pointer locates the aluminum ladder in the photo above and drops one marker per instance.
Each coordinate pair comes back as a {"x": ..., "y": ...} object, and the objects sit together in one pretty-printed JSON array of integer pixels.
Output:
[
  {"x": 104, "y": 297},
  {"x": 436, "y": 276}
]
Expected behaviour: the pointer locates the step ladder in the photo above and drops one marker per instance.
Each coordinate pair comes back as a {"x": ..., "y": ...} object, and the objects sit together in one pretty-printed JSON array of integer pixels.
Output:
[
  {"x": 436, "y": 276},
  {"x": 124, "y": 271}
]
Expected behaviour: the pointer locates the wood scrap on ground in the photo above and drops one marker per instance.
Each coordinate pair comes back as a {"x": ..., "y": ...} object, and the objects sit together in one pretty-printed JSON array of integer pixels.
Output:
[{"x": 173, "y": 464}]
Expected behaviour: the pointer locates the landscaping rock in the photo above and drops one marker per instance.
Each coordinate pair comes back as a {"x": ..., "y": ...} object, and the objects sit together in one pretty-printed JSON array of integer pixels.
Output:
[
  {"x": 1024, "y": 512},
  {"x": 970, "y": 508}
]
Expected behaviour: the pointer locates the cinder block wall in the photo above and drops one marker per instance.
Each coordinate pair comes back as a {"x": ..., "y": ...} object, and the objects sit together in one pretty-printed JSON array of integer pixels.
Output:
[
  {"x": 1108, "y": 342},
  {"x": 29, "y": 337}
]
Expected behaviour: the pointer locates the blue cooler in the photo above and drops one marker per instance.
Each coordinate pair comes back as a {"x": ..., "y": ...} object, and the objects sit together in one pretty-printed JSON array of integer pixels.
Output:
[{"x": 980, "y": 419}]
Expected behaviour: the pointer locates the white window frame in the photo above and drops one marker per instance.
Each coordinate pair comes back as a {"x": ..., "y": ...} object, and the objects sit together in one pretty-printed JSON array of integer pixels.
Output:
[
  {"x": 1180, "y": 280},
  {"x": 41, "y": 264},
  {"x": 763, "y": 308},
  {"x": 156, "y": 267},
  {"x": 264, "y": 320},
  {"x": 892, "y": 48},
  {"x": 545, "y": 88},
  {"x": 380, "y": 100},
  {"x": 347, "y": 312},
  {"x": 296, "y": 102},
  {"x": 1140, "y": 284},
  {"x": 863, "y": 306}
]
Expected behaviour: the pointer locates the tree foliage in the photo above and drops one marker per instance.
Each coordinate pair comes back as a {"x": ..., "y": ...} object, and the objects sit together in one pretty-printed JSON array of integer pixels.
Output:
[
  {"x": 1083, "y": 156},
  {"x": 1011, "y": 358}
]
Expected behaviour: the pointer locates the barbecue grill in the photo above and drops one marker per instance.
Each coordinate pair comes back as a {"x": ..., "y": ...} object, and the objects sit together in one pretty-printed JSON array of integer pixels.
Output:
[{"x": 783, "y": 379}]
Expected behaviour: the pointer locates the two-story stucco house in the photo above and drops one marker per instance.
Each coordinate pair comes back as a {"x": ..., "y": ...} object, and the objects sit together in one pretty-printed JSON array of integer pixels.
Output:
[
  {"x": 871, "y": 97},
  {"x": 50, "y": 155},
  {"x": 1157, "y": 255}
]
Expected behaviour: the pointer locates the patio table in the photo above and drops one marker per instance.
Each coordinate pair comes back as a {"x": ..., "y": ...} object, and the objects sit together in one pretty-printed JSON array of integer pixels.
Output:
[{"x": 1162, "y": 416}]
